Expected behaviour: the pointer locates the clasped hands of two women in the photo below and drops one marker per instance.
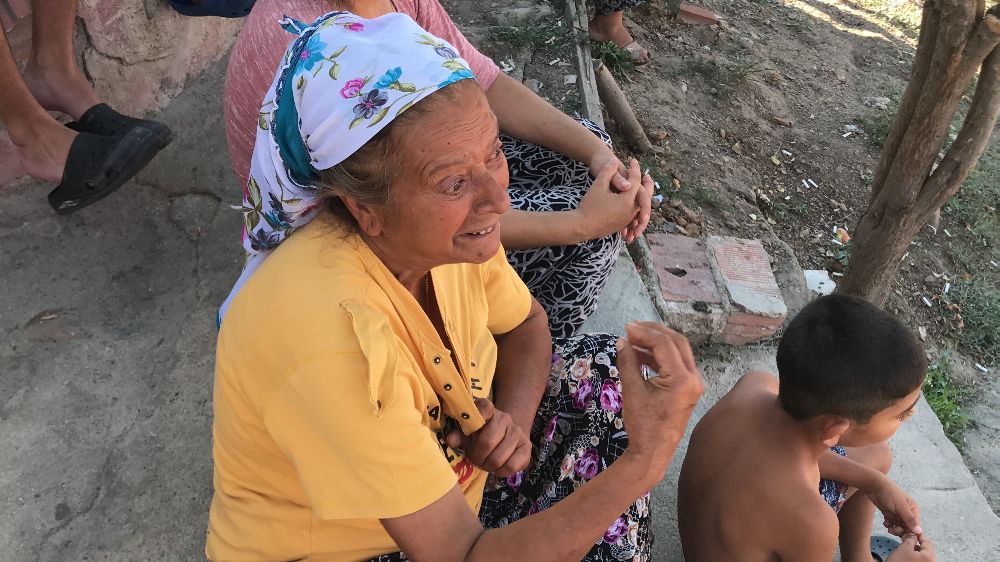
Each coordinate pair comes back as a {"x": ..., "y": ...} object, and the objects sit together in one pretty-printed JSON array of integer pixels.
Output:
[{"x": 655, "y": 410}]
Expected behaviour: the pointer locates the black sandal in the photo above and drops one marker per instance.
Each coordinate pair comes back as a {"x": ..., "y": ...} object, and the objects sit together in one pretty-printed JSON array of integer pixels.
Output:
[
  {"x": 97, "y": 165},
  {"x": 102, "y": 120}
]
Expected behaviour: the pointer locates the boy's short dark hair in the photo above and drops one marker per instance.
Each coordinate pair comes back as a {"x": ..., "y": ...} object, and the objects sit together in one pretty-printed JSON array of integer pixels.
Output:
[{"x": 843, "y": 356}]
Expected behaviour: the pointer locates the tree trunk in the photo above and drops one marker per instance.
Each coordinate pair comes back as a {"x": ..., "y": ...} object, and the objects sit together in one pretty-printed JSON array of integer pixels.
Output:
[{"x": 957, "y": 38}]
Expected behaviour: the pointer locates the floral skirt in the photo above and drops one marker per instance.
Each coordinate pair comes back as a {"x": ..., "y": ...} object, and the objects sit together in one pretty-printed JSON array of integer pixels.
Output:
[{"x": 577, "y": 433}]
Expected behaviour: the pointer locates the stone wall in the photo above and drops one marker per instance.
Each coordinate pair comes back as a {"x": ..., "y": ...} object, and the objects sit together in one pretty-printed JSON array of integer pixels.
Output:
[{"x": 139, "y": 54}]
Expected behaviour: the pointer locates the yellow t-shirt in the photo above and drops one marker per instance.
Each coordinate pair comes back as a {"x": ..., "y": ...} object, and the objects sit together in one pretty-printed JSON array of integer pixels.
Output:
[{"x": 332, "y": 393}]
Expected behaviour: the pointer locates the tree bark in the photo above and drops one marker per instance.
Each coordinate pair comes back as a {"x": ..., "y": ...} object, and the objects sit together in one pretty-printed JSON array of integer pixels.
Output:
[{"x": 957, "y": 38}]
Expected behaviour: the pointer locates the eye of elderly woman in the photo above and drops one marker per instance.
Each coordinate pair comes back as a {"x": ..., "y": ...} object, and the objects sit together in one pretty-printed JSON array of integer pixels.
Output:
[{"x": 453, "y": 184}]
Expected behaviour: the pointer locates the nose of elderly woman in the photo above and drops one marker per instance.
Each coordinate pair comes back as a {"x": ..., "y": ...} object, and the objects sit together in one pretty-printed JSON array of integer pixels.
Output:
[{"x": 492, "y": 193}]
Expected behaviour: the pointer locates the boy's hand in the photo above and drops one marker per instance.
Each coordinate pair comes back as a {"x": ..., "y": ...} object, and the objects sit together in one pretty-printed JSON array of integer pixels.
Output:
[
  {"x": 901, "y": 512},
  {"x": 913, "y": 550}
]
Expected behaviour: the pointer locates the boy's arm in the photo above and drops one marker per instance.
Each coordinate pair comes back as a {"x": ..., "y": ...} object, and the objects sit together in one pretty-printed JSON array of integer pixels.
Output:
[{"x": 899, "y": 509}]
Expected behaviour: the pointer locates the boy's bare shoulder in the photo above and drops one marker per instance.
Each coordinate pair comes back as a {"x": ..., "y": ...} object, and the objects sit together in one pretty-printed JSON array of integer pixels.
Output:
[
  {"x": 753, "y": 384},
  {"x": 758, "y": 380}
]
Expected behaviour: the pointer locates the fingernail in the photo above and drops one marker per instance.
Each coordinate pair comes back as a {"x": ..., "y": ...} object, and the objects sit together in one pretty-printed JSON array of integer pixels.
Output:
[
  {"x": 619, "y": 344},
  {"x": 626, "y": 184},
  {"x": 918, "y": 530}
]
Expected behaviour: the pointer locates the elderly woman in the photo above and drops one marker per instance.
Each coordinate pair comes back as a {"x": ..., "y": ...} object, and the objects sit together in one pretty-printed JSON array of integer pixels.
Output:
[
  {"x": 562, "y": 234},
  {"x": 385, "y": 383}
]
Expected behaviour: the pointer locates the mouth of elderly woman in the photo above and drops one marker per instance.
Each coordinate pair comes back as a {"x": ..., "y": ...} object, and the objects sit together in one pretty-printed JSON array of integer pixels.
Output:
[{"x": 481, "y": 233}]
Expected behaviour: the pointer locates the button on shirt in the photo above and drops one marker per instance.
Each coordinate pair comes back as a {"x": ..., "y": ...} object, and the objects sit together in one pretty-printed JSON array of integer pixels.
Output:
[{"x": 333, "y": 393}]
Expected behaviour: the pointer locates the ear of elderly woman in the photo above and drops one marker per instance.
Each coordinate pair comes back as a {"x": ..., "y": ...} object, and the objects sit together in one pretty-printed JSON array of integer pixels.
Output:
[
  {"x": 561, "y": 234},
  {"x": 386, "y": 357}
]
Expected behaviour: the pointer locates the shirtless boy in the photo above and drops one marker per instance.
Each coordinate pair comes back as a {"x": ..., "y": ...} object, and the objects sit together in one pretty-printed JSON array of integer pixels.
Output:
[{"x": 849, "y": 375}]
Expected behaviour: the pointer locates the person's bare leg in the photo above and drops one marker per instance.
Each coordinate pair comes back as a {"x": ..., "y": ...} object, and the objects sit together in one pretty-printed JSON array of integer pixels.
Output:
[
  {"x": 52, "y": 74},
  {"x": 610, "y": 27},
  {"x": 42, "y": 143},
  {"x": 858, "y": 512}
]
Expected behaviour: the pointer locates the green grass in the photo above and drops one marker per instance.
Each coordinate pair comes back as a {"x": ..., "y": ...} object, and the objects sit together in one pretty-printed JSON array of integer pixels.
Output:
[
  {"x": 618, "y": 60},
  {"x": 695, "y": 192},
  {"x": 979, "y": 299},
  {"x": 877, "y": 123},
  {"x": 571, "y": 105},
  {"x": 945, "y": 399},
  {"x": 876, "y": 127},
  {"x": 534, "y": 37},
  {"x": 978, "y": 292},
  {"x": 725, "y": 77},
  {"x": 975, "y": 205}
]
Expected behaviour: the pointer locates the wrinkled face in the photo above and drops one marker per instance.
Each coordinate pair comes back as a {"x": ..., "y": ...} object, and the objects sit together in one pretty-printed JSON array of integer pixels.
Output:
[
  {"x": 446, "y": 202},
  {"x": 883, "y": 425}
]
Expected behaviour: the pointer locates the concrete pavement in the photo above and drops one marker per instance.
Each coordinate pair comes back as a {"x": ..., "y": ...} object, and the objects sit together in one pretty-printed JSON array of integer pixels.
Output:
[{"x": 106, "y": 354}]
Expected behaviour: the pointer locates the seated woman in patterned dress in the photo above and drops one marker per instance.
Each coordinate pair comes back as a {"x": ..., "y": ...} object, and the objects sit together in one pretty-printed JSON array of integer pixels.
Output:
[
  {"x": 564, "y": 231},
  {"x": 385, "y": 383}
]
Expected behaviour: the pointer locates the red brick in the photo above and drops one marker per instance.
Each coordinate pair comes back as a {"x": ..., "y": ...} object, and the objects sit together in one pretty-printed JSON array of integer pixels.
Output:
[
  {"x": 758, "y": 310},
  {"x": 746, "y": 275},
  {"x": 743, "y": 319},
  {"x": 696, "y": 15},
  {"x": 683, "y": 268}
]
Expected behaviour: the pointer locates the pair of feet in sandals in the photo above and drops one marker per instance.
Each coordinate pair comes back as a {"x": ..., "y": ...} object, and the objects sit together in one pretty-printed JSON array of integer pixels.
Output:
[
  {"x": 105, "y": 151},
  {"x": 611, "y": 28}
]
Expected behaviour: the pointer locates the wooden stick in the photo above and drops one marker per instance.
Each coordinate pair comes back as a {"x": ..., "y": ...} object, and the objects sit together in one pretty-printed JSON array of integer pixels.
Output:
[
  {"x": 589, "y": 100},
  {"x": 619, "y": 109}
]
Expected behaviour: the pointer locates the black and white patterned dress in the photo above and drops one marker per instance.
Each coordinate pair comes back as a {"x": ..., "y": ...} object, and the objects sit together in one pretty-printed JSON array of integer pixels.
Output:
[
  {"x": 566, "y": 280},
  {"x": 605, "y": 7}
]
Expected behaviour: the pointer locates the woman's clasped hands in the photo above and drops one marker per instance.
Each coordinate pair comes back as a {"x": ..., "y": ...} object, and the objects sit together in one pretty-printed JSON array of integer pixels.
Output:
[{"x": 617, "y": 202}]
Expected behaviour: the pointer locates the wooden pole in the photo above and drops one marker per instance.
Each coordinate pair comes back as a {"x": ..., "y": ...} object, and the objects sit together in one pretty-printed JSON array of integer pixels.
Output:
[{"x": 621, "y": 111}]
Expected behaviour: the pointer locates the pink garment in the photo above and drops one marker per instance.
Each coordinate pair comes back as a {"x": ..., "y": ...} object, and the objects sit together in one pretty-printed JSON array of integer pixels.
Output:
[{"x": 262, "y": 42}]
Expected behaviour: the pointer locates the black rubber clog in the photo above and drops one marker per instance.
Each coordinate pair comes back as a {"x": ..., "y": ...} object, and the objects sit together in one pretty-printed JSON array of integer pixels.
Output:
[
  {"x": 102, "y": 120},
  {"x": 98, "y": 165}
]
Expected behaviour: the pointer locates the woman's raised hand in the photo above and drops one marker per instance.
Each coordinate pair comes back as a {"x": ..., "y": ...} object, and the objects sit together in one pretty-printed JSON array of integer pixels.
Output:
[
  {"x": 604, "y": 210},
  {"x": 656, "y": 410}
]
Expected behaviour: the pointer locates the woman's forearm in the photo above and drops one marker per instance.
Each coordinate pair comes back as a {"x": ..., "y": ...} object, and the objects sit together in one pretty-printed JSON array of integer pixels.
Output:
[
  {"x": 567, "y": 530},
  {"x": 521, "y": 230},
  {"x": 524, "y": 358},
  {"x": 524, "y": 115}
]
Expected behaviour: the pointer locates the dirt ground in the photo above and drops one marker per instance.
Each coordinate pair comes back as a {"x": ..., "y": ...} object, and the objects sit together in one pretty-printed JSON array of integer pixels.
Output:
[{"x": 769, "y": 126}]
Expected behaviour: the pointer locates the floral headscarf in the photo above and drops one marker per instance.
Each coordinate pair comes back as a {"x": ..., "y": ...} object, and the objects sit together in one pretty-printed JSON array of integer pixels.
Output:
[{"x": 341, "y": 82}]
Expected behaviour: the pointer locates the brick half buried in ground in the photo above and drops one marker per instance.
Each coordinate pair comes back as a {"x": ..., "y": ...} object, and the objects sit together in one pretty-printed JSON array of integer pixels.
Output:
[
  {"x": 692, "y": 297},
  {"x": 744, "y": 270}
]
